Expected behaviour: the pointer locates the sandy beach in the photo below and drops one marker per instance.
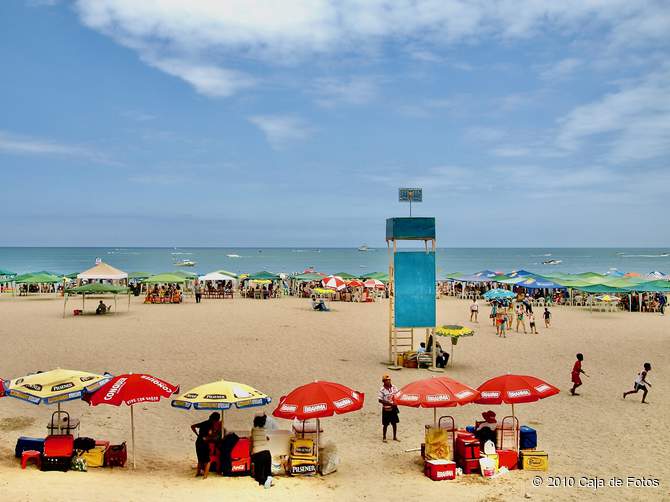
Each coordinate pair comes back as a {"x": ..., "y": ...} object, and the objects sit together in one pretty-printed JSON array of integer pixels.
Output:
[{"x": 279, "y": 344}]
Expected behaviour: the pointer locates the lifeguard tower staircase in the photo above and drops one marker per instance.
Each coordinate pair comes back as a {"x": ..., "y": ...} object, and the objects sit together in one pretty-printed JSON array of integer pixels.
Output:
[{"x": 411, "y": 284}]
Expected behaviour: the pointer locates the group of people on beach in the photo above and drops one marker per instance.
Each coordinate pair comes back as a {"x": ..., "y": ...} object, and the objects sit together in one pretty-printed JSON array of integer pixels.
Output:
[{"x": 504, "y": 312}]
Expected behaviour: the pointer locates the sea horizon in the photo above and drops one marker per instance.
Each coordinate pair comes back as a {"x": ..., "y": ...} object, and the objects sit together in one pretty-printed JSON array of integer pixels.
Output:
[{"x": 290, "y": 259}]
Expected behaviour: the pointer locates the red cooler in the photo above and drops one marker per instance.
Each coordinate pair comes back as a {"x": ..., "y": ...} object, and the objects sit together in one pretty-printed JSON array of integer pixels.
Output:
[
  {"x": 508, "y": 458},
  {"x": 440, "y": 470},
  {"x": 467, "y": 448}
]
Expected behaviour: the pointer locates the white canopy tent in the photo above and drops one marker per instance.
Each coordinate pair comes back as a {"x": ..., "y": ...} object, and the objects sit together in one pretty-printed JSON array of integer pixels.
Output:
[
  {"x": 104, "y": 272},
  {"x": 218, "y": 276}
]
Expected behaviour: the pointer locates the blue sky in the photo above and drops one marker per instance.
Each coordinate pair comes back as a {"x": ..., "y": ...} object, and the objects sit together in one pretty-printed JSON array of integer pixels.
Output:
[{"x": 223, "y": 123}]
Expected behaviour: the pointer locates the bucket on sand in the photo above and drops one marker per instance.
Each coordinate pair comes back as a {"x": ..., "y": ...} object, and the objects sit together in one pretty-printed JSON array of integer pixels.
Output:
[{"x": 487, "y": 466}]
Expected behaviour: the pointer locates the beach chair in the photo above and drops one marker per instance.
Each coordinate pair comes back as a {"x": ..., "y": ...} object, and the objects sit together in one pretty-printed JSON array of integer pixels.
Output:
[{"x": 507, "y": 435}]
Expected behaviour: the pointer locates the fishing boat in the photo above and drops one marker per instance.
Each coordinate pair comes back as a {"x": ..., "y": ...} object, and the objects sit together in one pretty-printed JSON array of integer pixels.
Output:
[
  {"x": 552, "y": 262},
  {"x": 364, "y": 248},
  {"x": 185, "y": 263}
]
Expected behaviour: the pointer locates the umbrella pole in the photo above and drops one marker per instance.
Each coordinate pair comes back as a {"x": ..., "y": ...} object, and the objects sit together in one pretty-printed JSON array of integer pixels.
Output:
[
  {"x": 318, "y": 426},
  {"x": 132, "y": 432},
  {"x": 434, "y": 417}
]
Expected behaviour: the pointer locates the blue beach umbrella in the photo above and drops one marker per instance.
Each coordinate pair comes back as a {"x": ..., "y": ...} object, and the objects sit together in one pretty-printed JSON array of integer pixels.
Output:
[{"x": 498, "y": 294}]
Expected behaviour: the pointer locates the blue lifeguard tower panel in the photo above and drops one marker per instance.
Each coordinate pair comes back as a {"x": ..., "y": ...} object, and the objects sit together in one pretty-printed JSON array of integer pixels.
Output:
[{"x": 412, "y": 273}]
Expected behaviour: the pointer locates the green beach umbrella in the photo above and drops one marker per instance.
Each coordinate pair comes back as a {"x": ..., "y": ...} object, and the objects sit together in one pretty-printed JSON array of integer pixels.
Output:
[
  {"x": 263, "y": 275},
  {"x": 346, "y": 276},
  {"x": 166, "y": 278},
  {"x": 139, "y": 275}
]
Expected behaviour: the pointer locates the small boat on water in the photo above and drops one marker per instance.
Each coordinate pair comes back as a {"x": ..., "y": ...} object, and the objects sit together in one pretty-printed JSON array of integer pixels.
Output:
[
  {"x": 185, "y": 263},
  {"x": 364, "y": 248},
  {"x": 552, "y": 262}
]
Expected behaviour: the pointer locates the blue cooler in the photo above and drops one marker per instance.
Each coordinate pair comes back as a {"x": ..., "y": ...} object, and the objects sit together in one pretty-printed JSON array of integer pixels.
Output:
[
  {"x": 527, "y": 438},
  {"x": 470, "y": 428},
  {"x": 26, "y": 443}
]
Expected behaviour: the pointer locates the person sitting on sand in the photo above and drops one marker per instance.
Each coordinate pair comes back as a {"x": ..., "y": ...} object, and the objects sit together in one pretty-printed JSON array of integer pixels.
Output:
[
  {"x": 319, "y": 305},
  {"x": 486, "y": 430},
  {"x": 102, "y": 308},
  {"x": 441, "y": 357},
  {"x": 207, "y": 431},
  {"x": 641, "y": 383}
]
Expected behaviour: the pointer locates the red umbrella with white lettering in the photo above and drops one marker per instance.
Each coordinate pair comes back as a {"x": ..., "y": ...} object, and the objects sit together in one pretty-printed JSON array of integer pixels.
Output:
[
  {"x": 131, "y": 389},
  {"x": 514, "y": 389},
  {"x": 436, "y": 392},
  {"x": 318, "y": 399}
]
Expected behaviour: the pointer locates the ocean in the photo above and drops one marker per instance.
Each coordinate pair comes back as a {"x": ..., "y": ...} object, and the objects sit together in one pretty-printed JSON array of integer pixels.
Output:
[{"x": 65, "y": 260}]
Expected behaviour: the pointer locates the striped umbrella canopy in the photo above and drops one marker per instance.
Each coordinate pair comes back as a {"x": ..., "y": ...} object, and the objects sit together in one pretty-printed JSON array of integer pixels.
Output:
[
  {"x": 55, "y": 386},
  {"x": 355, "y": 283},
  {"x": 334, "y": 282},
  {"x": 374, "y": 284},
  {"x": 221, "y": 395}
]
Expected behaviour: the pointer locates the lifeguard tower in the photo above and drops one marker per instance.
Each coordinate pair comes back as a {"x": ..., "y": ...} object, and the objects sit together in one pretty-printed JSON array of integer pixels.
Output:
[{"x": 411, "y": 284}]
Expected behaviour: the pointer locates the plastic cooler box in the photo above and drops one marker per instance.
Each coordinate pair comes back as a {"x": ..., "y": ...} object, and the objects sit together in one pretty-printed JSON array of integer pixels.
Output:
[
  {"x": 25, "y": 443},
  {"x": 469, "y": 465},
  {"x": 534, "y": 460},
  {"x": 240, "y": 457},
  {"x": 508, "y": 458},
  {"x": 527, "y": 438},
  {"x": 467, "y": 448},
  {"x": 440, "y": 470}
]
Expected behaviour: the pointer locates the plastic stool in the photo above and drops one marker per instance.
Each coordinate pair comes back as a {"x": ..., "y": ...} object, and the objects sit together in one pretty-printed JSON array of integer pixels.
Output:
[{"x": 33, "y": 455}]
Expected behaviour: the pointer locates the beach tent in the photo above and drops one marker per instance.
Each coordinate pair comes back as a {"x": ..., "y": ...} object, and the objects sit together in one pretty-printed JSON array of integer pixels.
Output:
[
  {"x": 95, "y": 289},
  {"x": 102, "y": 271},
  {"x": 218, "y": 276},
  {"x": 345, "y": 276},
  {"x": 474, "y": 278},
  {"x": 185, "y": 274},
  {"x": 139, "y": 275},
  {"x": 614, "y": 273},
  {"x": 519, "y": 273},
  {"x": 660, "y": 286},
  {"x": 654, "y": 274},
  {"x": 539, "y": 282},
  {"x": 71, "y": 276},
  {"x": 36, "y": 278},
  {"x": 263, "y": 276},
  {"x": 601, "y": 288},
  {"x": 166, "y": 278},
  {"x": 307, "y": 277},
  {"x": 485, "y": 273},
  {"x": 380, "y": 276},
  {"x": 6, "y": 274},
  {"x": 454, "y": 275}
]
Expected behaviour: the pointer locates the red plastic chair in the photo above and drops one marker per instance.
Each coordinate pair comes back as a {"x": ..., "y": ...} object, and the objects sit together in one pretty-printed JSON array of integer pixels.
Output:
[{"x": 31, "y": 455}]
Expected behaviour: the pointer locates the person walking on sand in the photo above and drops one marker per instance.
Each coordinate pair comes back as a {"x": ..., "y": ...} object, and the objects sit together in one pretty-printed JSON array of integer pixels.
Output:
[
  {"x": 520, "y": 315},
  {"x": 576, "y": 374},
  {"x": 389, "y": 409},
  {"x": 547, "y": 317},
  {"x": 474, "y": 310},
  {"x": 641, "y": 383}
]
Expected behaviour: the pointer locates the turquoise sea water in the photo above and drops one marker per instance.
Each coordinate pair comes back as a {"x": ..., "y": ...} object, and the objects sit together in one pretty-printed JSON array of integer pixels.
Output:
[{"x": 332, "y": 260}]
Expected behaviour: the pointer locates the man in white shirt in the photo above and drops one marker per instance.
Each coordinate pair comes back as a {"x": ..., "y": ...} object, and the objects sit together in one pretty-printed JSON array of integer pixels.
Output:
[{"x": 389, "y": 409}]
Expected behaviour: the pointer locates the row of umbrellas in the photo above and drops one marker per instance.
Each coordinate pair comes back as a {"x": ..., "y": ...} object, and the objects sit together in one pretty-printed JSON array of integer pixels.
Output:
[
  {"x": 315, "y": 400},
  {"x": 337, "y": 283}
]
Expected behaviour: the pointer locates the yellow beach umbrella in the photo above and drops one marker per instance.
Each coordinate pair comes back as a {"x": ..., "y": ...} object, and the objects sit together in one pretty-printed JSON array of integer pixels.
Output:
[
  {"x": 221, "y": 395},
  {"x": 260, "y": 281},
  {"x": 454, "y": 331},
  {"x": 323, "y": 291},
  {"x": 55, "y": 386}
]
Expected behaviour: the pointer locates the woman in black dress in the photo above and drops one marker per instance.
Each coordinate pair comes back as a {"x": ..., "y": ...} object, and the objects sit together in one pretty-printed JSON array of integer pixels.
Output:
[{"x": 205, "y": 432}]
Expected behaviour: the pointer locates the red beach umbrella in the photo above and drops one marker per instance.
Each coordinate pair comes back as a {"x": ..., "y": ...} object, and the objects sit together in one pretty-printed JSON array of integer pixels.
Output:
[
  {"x": 132, "y": 389},
  {"x": 334, "y": 282},
  {"x": 318, "y": 399},
  {"x": 436, "y": 392},
  {"x": 355, "y": 283},
  {"x": 374, "y": 283},
  {"x": 514, "y": 389}
]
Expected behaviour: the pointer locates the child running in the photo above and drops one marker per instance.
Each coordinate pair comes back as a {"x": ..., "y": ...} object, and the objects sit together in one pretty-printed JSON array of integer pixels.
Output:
[
  {"x": 641, "y": 383},
  {"x": 547, "y": 317},
  {"x": 576, "y": 374}
]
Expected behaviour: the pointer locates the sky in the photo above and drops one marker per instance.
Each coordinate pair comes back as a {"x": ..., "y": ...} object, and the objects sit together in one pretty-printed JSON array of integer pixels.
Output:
[{"x": 294, "y": 123}]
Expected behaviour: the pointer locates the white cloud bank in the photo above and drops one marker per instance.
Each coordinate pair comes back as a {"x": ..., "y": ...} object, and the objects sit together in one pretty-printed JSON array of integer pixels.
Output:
[
  {"x": 201, "y": 41},
  {"x": 281, "y": 130},
  {"x": 24, "y": 145}
]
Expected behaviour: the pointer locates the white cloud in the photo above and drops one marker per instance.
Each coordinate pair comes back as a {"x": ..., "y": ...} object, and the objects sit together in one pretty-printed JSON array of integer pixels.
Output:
[
  {"x": 352, "y": 91},
  {"x": 207, "y": 79},
  {"x": 633, "y": 122},
  {"x": 203, "y": 41},
  {"x": 561, "y": 70},
  {"x": 23, "y": 145},
  {"x": 281, "y": 130}
]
